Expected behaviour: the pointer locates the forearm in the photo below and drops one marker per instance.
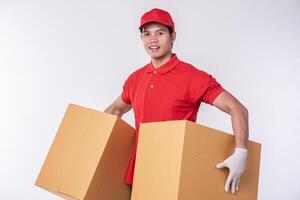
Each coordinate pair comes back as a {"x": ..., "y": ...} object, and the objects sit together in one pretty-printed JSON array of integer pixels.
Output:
[
  {"x": 113, "y": 111},
  {"x": 240, "y": 126}
]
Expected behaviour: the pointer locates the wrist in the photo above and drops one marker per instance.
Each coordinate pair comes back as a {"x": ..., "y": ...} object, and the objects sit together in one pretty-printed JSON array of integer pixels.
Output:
[
  {"x": 240, "y": 145},
  {"x": 240, "y": 150}
]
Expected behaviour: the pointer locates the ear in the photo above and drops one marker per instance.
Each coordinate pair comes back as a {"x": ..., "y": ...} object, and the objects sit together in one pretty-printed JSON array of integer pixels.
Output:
[
  {"x": 141, "y": 32},
  {"x": 173, "y": 37}
]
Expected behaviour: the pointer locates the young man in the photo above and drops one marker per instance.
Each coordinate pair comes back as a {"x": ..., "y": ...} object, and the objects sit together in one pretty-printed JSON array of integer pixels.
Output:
[{"x": 170, "y": 89}]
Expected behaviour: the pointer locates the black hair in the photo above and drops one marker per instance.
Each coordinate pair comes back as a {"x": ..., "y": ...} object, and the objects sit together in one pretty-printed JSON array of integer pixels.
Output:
[{"x": 168, "y": 27}]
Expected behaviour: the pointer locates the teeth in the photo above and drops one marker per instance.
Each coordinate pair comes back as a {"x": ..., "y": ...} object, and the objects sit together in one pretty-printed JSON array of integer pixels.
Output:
[{"x": 153, "y": 47}]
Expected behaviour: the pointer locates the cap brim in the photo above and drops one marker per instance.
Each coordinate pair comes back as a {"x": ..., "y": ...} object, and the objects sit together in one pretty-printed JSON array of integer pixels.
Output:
[{"x": 160, "y": 22}]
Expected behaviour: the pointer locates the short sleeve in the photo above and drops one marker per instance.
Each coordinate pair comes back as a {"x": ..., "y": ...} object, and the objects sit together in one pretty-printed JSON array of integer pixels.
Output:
[
  {"x": 204, "y": 88},
  {"x": 126, "y": 91}
]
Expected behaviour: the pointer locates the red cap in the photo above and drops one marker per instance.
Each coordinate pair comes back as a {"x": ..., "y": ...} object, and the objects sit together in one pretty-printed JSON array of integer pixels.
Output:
[{"x": 157, "y": 15}]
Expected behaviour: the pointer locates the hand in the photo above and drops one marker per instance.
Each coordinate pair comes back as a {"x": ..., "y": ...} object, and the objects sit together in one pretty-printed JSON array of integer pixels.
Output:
[{"x": 236, "y": 163}]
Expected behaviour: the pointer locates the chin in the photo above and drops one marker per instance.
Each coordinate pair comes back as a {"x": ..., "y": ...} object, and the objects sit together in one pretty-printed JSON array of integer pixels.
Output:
[{"x": 156, "y": 55}]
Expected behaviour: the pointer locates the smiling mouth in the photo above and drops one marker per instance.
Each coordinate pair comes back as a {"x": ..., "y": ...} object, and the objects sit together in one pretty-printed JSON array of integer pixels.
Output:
[{"x": 154, "y": 48}]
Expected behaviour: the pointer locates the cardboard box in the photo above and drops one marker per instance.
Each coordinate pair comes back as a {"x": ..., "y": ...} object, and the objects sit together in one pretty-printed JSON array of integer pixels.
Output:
[
  {"x": 176, "y": 160},
  {"x": 88, "y": 157}
]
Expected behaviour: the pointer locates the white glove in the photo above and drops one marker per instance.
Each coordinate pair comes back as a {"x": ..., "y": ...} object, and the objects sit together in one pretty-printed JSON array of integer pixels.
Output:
[{"x": 236, "y": 163}]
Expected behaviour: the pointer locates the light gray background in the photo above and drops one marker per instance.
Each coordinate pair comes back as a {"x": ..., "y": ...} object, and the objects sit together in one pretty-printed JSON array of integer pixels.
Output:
[{"x": 56, "y": 52}]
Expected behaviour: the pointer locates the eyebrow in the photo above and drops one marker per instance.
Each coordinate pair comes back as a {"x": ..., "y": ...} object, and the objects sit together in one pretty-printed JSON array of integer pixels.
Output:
[{"x": 155, "y": 31}]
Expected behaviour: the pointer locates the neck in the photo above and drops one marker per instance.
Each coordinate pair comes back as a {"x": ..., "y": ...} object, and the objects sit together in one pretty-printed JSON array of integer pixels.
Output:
[{"x": 157, "y": 62}]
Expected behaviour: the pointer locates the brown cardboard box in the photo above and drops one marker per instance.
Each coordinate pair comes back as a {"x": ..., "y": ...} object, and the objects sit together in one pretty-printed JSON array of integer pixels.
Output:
[
  {"x": 176, "y": 160},
  {"x": 88, "y": 157}
]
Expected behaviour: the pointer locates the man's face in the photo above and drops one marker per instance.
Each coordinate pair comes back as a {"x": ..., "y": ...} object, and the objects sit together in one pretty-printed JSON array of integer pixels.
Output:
[{"x": 157, "y": 40}]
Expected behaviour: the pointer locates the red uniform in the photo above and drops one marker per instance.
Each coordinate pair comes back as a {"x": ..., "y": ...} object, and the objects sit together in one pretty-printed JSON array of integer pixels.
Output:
[{"x": 174, "y": 91}]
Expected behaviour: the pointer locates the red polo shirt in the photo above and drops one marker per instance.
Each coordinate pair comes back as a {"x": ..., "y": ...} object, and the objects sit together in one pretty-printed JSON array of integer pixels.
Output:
[{"x": 174, "y": 91}]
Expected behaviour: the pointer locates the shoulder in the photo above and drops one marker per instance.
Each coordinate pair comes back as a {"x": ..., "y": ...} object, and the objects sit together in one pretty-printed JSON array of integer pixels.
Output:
[
  {"x": 136, "y": 75},
  {"x": 138, "y": 72},
  {"x": 192, "y": 71}
]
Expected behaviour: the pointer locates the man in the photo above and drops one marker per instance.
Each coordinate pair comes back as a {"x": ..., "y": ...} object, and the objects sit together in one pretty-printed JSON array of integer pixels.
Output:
[{"x": 170, "y": 89}]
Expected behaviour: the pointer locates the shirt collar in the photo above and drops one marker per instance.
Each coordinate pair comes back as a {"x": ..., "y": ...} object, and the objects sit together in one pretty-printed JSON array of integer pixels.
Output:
[{"x": 165, "y": 67}]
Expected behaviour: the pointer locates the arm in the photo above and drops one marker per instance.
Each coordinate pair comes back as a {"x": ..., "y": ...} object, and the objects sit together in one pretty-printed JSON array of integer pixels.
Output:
[
  {"x": 236, "y": 163},
  {"x": 239, "y": 117},
  {"x": 118, "y": 107}
]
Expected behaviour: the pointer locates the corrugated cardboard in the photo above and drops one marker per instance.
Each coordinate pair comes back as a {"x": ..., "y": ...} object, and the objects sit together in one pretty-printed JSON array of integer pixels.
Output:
[
  {"x": 176, "y": 160},
  {"x": 88, "y": 157}
]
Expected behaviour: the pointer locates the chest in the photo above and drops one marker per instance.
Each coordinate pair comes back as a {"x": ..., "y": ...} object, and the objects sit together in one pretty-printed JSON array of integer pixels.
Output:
[{"x": 161, "y": 92}]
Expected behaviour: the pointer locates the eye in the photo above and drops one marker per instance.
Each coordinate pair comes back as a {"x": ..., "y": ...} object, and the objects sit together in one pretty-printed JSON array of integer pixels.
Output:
[
  {"x": 145, "y": 34},
  {"x": 160, "y": 33}
]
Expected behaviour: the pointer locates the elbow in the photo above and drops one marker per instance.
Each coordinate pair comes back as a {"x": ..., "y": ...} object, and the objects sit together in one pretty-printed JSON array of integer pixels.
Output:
[
  {"x": 241, "y": 110},
  {"x": 245, "y": 112}
]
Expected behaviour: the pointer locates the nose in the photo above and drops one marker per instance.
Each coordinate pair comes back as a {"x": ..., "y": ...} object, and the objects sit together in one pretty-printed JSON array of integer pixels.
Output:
[{"x": 153, "y": 38}]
